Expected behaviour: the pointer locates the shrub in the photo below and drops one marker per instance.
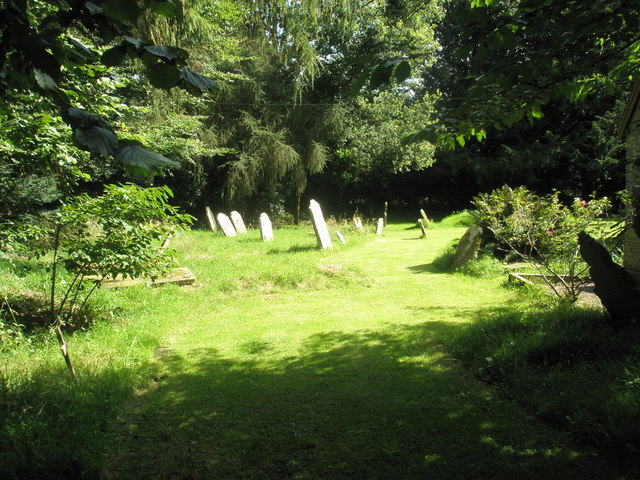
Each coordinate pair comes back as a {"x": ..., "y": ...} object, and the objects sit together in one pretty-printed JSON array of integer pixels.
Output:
[
  {"x": 542, "y": 231},
  {"x": 118, "y": 233}
]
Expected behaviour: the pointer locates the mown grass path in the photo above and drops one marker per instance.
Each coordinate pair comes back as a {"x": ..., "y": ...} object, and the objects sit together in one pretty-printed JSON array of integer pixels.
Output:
[{"x": 344, "y": 383}]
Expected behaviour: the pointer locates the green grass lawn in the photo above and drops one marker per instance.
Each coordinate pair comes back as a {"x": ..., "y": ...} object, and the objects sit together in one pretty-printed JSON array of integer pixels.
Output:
[{"x": 283, "y": 362}]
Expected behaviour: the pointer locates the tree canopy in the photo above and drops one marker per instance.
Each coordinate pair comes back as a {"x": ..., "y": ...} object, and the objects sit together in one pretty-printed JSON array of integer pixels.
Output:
[
  {"x": 311, "y": 96},
  {"x": 53, "y": 47},
  {"x": 520, "y": 55}
]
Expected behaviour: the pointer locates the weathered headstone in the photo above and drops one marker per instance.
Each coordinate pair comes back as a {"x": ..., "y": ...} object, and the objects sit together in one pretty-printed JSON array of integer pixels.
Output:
[
  {"x": 212, "y": 220},
  {"x": 165, "y": 244},
  {"x": 618, "y": 291},
  {"x": 468, "y": 246},
  {"x": 226, "y": 225},
  {"x": 380, "y": 225},
  {"x": 357, "y": 221},
  {"x": 319, "y": 225},
  {"x": 424, "y": 217},
  {"x": 266, "y": 229},
  {"x": 341, "y": 238},
  {"x": 177, "y": 276},
  {"x": 238, "y": 223},
  {"x": 424, "y": 230}
]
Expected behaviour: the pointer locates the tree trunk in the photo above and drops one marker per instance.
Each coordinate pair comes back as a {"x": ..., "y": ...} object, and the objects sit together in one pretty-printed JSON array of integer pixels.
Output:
[{"x": 296, "y": 216}]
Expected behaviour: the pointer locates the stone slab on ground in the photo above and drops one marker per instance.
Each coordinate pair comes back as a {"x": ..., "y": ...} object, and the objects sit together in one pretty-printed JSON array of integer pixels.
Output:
[{"x": 177, "y": 276}]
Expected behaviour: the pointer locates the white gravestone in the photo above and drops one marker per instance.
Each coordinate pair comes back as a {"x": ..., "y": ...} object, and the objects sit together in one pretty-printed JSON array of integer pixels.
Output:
[
  {"x": 319, "y": 225},
  {"x": 341, "y": 238},
  {"x": 266, "y": 230},
  {"x": 424, "y": 230},
  {"x": 212, "y": 220},
  {"x": 236, "y": 218},
  {"x": 380, "y": 225},
  {"x": 226, "y": 225},
  {"x": 357, "y": 221}
]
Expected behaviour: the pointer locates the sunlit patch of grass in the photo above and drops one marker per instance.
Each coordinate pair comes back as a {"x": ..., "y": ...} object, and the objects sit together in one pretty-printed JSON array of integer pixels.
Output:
[{"x": 459, "y": 219}]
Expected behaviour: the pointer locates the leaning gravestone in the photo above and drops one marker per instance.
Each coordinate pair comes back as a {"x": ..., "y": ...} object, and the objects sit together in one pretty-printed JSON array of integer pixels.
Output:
[
  {"x": 424, "y": 230},
  {"x": 380, "y": 225},
  {"x": 212, "y": 221},
  {"x": 236, "y": 218},
  {"x": 468, "y": 246},
  {"x": 424, "y": 217},
  {"x": 357, "y": 221},
  {"x": 266, "y": 230},
  {"x": 319, "y": 225},
  {"x": 341, "y": 238},
  {"x": 226, "y": 225},
  {"x": 619, "y": 292}
]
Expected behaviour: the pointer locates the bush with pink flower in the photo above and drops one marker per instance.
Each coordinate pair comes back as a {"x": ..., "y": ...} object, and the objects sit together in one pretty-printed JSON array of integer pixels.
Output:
[{"x": 541, "y": 230}]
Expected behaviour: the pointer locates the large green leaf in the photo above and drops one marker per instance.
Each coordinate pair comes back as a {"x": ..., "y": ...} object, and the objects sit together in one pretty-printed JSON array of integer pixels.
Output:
[
  {"x": 359, "y": 82},
  {"x": 80, "y": 118},
  {"x": 140, "y": 161},
  {"x": 164, "y": 52},
  {"x": 82, "y": 52},
  {"x": 132, "y": 42},
  {"x": 402, "y": 71},
  {"x": 162, "y": 75},
  {"x": 96, "y": 139},
  {"x": 381, "y": 75},
  {"x": 93, "y": 8},
  {"x": 44, "y": 81},
  {"x": 196, "y": 80},
  {"x": 114, "y": 56}
]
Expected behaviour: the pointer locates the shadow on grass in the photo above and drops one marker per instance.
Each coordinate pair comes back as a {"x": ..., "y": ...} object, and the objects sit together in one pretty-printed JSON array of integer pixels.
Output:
[
  {"x": 427, "y": 268},
  {"x": 566, "y": 365},
  {"x": 361, "y": 405},
  {"x": 293, "y": 249}
]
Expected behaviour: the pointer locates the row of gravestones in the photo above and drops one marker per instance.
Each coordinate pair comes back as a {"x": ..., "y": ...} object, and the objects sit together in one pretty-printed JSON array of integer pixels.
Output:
[
  {"x": 322, "y": 232},
  {"x": 235, "y": 225}
]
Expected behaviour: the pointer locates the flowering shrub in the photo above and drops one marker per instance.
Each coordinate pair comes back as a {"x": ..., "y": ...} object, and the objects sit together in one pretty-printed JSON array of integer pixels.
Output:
[{"x": 541, "y": 230}]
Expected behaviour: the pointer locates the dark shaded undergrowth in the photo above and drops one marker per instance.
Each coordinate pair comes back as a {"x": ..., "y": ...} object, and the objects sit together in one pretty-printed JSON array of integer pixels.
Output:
[{"x": 567, "y": 366}]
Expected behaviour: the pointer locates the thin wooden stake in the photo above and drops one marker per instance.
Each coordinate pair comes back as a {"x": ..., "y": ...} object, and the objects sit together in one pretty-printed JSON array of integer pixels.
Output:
[{"x": 65, "y": 354}]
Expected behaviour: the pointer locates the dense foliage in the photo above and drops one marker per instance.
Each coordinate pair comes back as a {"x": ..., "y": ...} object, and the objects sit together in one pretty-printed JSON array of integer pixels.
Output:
[
  {"x": 520, "y": 56},
  {"x": 542, "y": 231}
]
